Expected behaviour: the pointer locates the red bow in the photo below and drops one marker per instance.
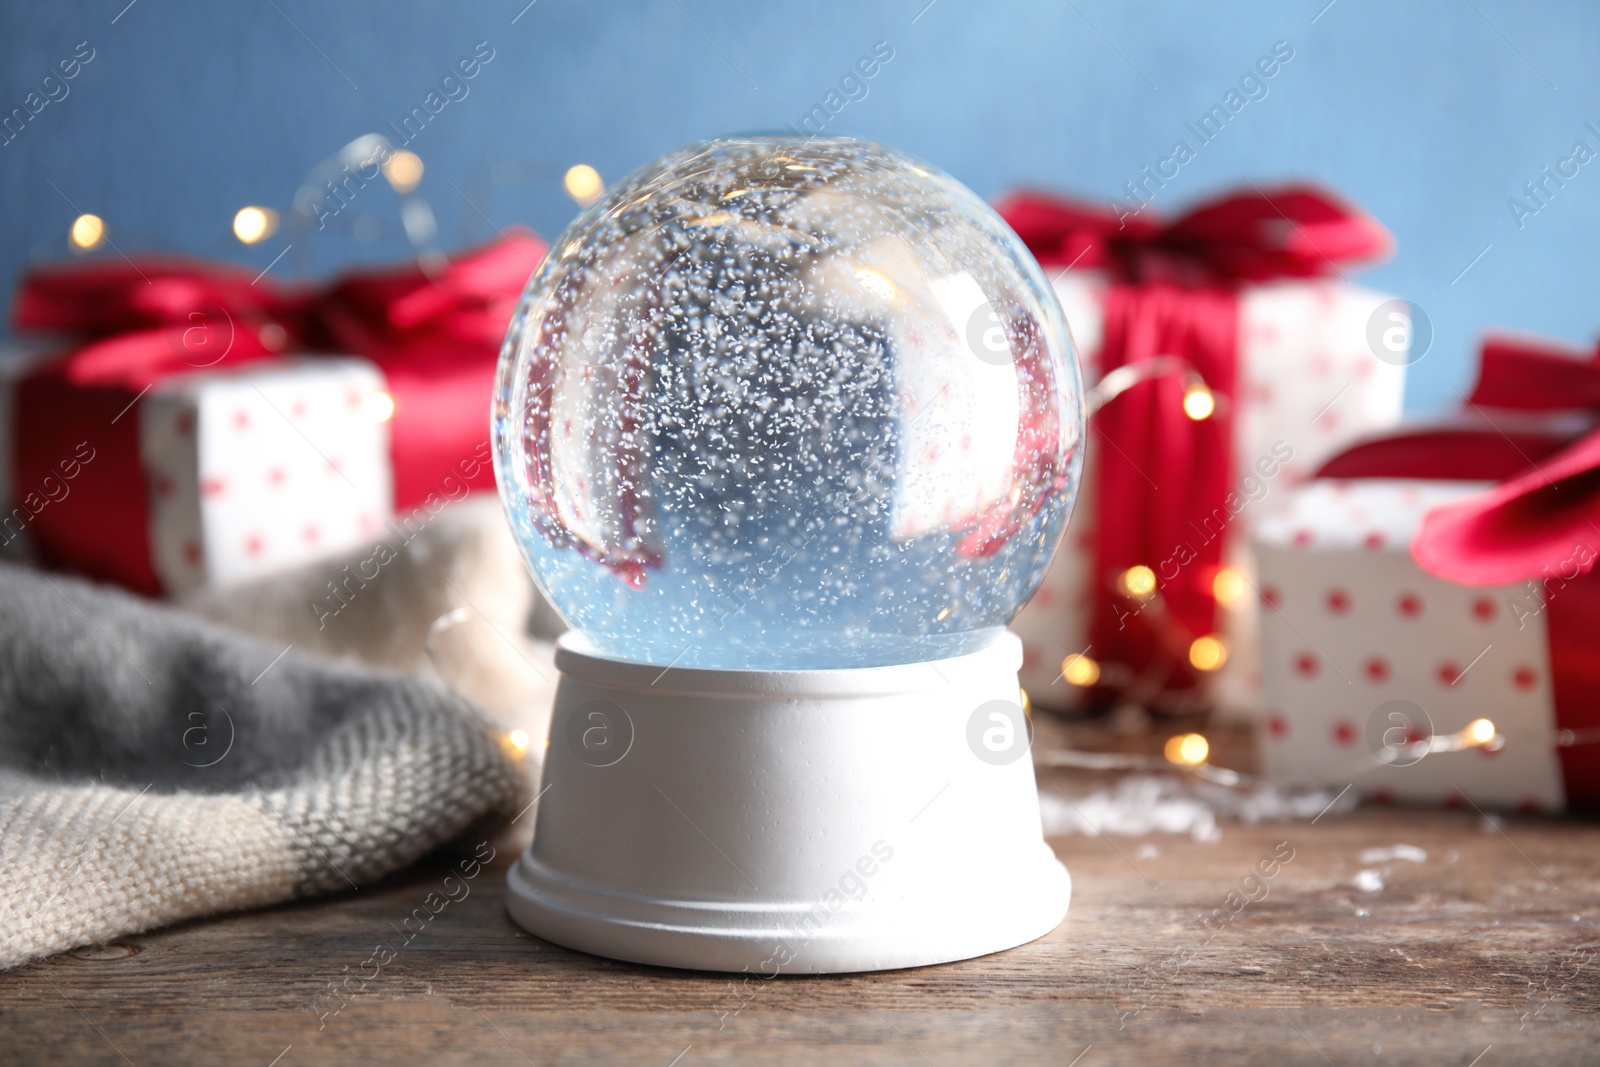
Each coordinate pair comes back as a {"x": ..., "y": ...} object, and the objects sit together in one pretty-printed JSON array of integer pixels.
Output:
[
  {"x": 1544, "y": 517},
  {"x": 1175, "y": 292},
  {"x": 143, "y": 319},
  {"x": 1292, "y": 231},
  {"x": 434, "y": 335}
]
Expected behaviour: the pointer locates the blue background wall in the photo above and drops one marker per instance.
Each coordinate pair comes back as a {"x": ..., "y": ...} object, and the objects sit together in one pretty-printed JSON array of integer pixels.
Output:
[{"x": 1431, "y": 115}]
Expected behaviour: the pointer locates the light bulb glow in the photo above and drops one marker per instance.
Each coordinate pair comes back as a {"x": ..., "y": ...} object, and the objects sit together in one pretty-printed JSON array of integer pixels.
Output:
[
  {"x": 87, "y": 231},
  {"x": 1198, "y": 402},
  {"x": 380, "y": 406},
  {"x": 1228, "y": 587},
  {"x": 1207, "y": 653},
  {"x": 403, "y": 171},
  {"x": 1480, "y": 731},
  {"x": 1187, "y": 750},
  {"x": 252, "y": 224},
  {"x": 1138, "y": 581},
  {"x": 518, "y": 740},
  {"x": 1079, "y": 669},
  {"x": 876, "y": 283},
  {"x": 583, "y": 184}
]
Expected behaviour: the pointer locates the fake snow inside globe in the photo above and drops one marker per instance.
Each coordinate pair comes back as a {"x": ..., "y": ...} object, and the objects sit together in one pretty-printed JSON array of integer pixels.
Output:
[
  {"x": 787, "y": 430},
  {"x": 783, "y": 403}
]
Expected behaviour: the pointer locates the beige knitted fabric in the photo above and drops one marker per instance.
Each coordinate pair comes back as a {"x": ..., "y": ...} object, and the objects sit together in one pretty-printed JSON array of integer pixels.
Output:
[
  {"x": 333, "y": 775},
  {"x": 85, "y": 864}
]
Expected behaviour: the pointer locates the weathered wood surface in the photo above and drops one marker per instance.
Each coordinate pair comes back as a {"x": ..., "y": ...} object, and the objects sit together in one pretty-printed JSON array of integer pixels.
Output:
[{"x": 1487, "y": 953}]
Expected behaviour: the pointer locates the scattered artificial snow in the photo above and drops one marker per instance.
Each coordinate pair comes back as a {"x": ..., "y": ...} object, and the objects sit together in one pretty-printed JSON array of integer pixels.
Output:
[
  {"x": 1144, "y": 804},
  {"x": 1397, "y": 852}
]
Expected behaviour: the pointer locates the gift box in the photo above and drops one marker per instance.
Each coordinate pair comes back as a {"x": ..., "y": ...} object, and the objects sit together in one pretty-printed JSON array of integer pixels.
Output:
[
  {"x": 1248, "y": 292},
  {"x": 201, "y": 426},
  {"x": 1435, "y": 577}
]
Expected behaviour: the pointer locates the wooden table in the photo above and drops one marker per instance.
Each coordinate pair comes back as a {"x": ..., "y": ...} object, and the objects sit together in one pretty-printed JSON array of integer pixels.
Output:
[{"x": 1485, "y": 954}]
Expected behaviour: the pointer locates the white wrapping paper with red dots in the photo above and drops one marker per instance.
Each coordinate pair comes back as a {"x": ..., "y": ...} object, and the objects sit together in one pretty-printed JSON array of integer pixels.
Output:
[
  {"x": 1358, "y": 642},
  {"x": 1308, "y": 381},
  {"x": 254, "y": 470}
]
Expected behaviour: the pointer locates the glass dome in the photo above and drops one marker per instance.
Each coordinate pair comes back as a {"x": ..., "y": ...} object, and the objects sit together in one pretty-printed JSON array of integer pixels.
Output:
[{"x": 783, "y": 403}]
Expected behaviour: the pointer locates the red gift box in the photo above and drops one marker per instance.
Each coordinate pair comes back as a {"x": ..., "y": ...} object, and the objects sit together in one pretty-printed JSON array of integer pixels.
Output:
[
  {"x": 1193, "y": 292},
  {"x": 1441, "y": 575},
  {"x": 143, "y": 328}
]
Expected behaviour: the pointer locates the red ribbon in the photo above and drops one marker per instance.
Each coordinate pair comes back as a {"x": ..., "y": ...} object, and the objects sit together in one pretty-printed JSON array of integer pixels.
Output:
[
  {"x": 1164, "y": 479},
  {"x": 1540, "y": 525},
  {"x": 134, "y": 322},
  {"x": 1548, "y": 499}
]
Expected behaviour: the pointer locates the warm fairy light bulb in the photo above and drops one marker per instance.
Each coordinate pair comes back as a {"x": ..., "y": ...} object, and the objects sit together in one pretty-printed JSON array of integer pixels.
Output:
[
  {"x": 87, "y": 231},
  {"x": 1198, "y": 402},
  {"x": 876, "y": 283},
  {"x": 1480, "y": 731},
  {"x": 583, "y": 184},
  {"x": 1079, "y": 669},
  {"x": 380, "y": 406},
  {"x": 403, "y": 171},
  {"x": 1207, "y": 653},
  {"x": 1187, "y": 750},
  {"x": 252, "y": 224},
  {"x": 1139, "y": 581},
  {"x": 779, "y": 402},
  {"x": 1228, "y": 587}
]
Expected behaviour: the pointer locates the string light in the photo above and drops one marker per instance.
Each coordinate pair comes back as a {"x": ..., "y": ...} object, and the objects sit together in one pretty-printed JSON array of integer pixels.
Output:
[
  {"x": 1207, "y": 653},
  {"x": 1189, "y": 753},
  {"x": 252, "y": 224},
  {"x": 1079, "y": 669},
  {"x": 380, "y": 406},
  {"x": 583, "y": 184},
  {"x": 1138, "y": 581},
  {"x": 1198, "y": 402},
  {"x": 404, "y": 171},
  {"x": 1228, "y": 587},
  {"x": 1479, "y": 733},
  {"x": 518, "y": 740},
  {"x": 1187, "y": 750},
  {"x": 87, "y": 231},
  {"x": 876, "y": 283}
]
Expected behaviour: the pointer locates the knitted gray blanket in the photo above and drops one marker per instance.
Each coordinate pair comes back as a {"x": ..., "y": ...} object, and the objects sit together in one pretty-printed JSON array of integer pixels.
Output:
[{"x": 155, "y": 768}]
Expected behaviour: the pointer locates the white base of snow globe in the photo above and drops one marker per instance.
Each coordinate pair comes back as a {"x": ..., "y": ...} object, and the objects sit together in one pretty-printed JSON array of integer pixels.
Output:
[{"x": 802, "y": 822}]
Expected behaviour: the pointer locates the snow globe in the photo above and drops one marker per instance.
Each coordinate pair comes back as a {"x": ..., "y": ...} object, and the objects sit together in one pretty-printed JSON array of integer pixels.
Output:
[{"x": 787, "y": 430}]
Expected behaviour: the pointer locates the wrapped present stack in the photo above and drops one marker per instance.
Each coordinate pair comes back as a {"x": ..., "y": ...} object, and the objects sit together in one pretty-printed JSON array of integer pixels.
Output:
[
  {"x": 1437, "y": 579},
  {"x": 1262, "y": 366},
  {"x": 194, "y": 426}
]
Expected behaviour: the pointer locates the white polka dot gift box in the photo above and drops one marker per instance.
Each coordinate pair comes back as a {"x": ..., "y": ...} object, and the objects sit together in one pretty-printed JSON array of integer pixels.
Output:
[
  {"x": 256, "y": 471},
  {"x": 1252, "y": 361},
  {"x": 193, "y": 429},
  {"x": 1401, "y": 617}
]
